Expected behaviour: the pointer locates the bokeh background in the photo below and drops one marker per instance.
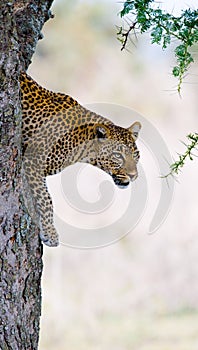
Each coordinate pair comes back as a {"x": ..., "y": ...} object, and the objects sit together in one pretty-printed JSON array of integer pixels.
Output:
[{"x": 141, "y": 292}]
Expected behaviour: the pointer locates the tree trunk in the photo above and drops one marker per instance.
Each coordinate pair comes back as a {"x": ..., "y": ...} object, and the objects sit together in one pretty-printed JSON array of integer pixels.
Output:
[{"x": 20, "y": 247}]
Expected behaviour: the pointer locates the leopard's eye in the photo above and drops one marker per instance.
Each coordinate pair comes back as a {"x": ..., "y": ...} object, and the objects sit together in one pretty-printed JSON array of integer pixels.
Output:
[
  {"x": 118, "y": 155},
  {"x": 118, "y": 159},
  {"x": 136, "y": 155}
]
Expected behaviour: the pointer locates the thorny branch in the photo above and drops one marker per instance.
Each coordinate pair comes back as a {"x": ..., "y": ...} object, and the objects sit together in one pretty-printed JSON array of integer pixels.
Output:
[{"x": 126, "y": 35}]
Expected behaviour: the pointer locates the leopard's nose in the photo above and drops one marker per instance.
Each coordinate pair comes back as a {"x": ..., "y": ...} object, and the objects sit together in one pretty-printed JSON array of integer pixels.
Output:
[{"x": 133, "y": 175}]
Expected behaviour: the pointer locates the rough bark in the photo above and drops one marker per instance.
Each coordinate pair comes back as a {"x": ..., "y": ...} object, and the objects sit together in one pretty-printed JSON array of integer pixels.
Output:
[{"x": 20, "y": 247}]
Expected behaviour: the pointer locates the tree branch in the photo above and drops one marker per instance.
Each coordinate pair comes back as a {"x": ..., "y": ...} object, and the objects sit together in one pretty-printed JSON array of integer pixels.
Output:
[{"x": 126, "y": 35}]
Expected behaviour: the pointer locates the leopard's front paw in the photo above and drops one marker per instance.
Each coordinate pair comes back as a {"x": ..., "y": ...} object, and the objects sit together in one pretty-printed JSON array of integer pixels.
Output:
[{"x": 49, "y": 236}]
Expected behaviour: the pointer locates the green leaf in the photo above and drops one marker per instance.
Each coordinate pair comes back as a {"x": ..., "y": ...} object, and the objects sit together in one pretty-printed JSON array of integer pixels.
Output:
[
  {"x": 166, "y": 41},
  {"x": 156, "y": 35},
  {"x": 176, "y": 71},
  {"x": 180, "y": 51},
  {"x": 128, "y": 6}
]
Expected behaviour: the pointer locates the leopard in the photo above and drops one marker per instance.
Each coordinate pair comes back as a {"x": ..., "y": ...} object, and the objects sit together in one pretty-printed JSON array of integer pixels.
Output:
[{"x": 57, "y": 132}]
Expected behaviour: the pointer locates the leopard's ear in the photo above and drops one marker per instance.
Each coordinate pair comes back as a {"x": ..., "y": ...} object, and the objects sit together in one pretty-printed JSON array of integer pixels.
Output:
[
  {"x": 134, "y": 129},
  {"x": 101, "y": 131}
]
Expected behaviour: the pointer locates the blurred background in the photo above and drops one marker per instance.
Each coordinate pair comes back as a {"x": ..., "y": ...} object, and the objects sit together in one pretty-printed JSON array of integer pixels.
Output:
[{"x": 141, "y": 292}]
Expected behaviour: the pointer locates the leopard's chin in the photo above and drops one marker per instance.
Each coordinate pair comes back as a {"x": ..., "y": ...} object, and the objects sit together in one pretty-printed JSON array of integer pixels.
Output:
[{"x": 121, "y": 181}]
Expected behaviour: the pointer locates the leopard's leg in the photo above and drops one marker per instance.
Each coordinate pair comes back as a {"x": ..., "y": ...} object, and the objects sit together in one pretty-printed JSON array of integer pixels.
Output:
[{"x": 38, "y": 200}]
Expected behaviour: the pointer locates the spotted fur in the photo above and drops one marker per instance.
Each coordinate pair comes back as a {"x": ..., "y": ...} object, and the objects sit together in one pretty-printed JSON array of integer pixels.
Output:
[{"x": 57, "y": 132}]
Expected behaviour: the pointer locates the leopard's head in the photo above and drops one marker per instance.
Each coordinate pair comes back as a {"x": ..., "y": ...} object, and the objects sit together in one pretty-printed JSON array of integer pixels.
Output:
[{"x": 117, "y": 153}]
